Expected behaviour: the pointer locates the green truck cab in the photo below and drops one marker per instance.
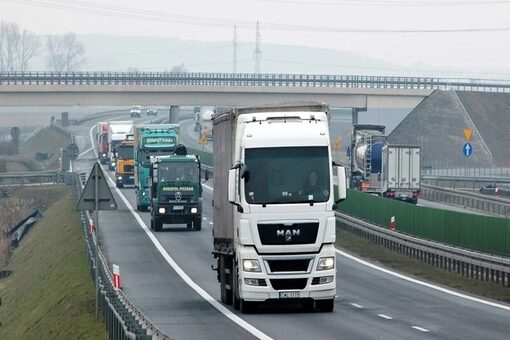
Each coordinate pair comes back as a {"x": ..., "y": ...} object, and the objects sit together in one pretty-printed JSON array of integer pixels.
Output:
[
  {"x": 151, "y": 140},
  {"x": 176, "y": 191}
]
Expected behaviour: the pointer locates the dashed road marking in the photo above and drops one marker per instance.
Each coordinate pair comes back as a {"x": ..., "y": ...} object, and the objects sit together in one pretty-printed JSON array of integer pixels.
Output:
[
  {"x": 424, "y": 330},
  {"x": 356, "y": 305},
  {"x": 384, "y": 316}
]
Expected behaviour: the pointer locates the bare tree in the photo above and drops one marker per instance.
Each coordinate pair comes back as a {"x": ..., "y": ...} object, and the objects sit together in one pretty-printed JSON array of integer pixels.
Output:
[
  {"x": 65, "y": 53},
  {"x": 27, "y": 48},
  {"x": 17, "y": 47}
]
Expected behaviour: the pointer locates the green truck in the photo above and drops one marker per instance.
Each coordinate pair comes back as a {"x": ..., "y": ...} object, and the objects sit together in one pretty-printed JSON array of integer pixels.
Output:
[
  {"x": 151, "y": 140},
  {"x": 176, "y": 191}
]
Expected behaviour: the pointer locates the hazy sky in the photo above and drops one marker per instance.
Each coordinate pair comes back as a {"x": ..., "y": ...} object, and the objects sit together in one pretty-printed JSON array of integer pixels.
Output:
[{"x": 346, "y": 25}]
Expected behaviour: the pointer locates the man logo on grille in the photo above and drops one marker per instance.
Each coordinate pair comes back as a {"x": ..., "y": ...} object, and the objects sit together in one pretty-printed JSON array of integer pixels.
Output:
[
  {"x": 288, "y": 233},
  {"x": 178, "y": 196}
]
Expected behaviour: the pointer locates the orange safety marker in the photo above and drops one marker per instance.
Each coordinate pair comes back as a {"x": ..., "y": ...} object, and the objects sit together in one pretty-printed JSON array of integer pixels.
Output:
[
  {"x": 393, "y": 223},
  {"x": 92, "y": 228},
  {"x": 116, "y": 277}
]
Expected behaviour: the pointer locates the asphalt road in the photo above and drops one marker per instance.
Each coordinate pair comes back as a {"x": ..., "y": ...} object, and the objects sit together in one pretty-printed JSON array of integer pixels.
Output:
[{"x": 371, "y": 303}]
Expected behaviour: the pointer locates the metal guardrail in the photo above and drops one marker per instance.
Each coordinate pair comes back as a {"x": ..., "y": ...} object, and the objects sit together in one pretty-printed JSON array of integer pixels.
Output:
[
  {"x": 122, "y": 318},
  {"x": 468, "y": 263},
  {"x": 473, "y": 200},
  {"x": 31, "y": 178},
  {"x": 252, "y": 79}
]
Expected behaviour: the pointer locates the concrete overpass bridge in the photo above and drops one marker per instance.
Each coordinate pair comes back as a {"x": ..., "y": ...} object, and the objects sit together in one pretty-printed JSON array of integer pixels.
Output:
[
  {"x": 220, "y": 89},
  {"x": 224, "y": 89}
]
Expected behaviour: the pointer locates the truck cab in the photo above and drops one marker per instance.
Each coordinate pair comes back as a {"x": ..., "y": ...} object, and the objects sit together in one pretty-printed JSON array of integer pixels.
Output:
[
  {"x": 124, "y": 169},
  {"x": 176, "y": 191}
]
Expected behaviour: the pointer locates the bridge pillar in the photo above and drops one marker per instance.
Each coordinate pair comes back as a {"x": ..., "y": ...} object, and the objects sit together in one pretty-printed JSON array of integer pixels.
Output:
[
  {"x": 355, "y": 112},
  {"x": 174, "y": 114}
]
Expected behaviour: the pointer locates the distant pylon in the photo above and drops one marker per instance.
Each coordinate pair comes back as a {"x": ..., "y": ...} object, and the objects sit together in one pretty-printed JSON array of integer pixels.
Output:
[
  {"x": 257, "y": 54},
  {"x": 234, "y": 66}
]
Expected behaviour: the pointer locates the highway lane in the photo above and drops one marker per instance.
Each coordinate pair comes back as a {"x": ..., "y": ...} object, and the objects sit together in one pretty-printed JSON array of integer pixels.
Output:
[{"x": 371, "y": 304}]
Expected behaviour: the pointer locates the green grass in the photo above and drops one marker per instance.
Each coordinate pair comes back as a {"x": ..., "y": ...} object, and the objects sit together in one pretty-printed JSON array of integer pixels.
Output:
[
  {"x": 406, "y": 265},
  {"x": 50, "y": 294}
]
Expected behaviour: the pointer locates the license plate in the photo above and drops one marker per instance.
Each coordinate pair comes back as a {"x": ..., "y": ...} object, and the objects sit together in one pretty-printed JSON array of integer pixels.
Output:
[
  {"x": 288, "y": 295},
  {"x": 178, "y": 207}
]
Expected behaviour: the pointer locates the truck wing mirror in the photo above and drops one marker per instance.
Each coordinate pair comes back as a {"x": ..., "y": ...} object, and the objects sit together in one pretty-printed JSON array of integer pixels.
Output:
[
  {"x": 340, "y": 184},
  {"x": 232, "y": 186}
]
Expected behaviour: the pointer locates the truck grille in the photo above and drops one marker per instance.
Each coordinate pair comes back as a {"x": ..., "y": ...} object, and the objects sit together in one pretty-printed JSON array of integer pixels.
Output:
[
  {"x": 284, "y": 284},
  {"x": 300, "y": 265},
  {"x": 171, "y": 197},
  {"x": 297, "y": 233}
]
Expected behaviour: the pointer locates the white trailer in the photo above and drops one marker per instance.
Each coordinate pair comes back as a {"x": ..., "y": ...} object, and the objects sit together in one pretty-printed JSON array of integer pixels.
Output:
[
  {"x": 117, "y": 131},
  {"x": 274, "y": 236},
  {"x": 401, "y": 172}
]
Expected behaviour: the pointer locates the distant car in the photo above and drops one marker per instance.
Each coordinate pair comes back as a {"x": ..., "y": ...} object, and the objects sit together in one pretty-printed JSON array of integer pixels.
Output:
[
  {"x": 135, "y": 112},
  {"x": 152, "y": 112}
]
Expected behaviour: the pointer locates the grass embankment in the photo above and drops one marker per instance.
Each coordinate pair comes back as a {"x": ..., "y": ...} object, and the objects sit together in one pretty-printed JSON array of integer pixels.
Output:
[
  {"x": 50, "y": 294},
  {"x": 48, "y": 140},
  {"x": 406, "y": 265}
]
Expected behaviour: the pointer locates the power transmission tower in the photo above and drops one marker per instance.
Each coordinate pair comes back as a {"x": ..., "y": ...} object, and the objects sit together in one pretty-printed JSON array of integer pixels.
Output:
[
  {"x": 257, "y": 54},
  {"x": 234, "y": 66}
]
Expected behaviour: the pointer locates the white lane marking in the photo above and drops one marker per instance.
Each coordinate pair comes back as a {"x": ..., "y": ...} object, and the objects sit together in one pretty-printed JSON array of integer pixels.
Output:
[
  {"x": 210, "y": 223},
  {"x": 207, "y": 187},
  {"x": 356, "y": 305},
  {"x": 86, "y": 151},
  {"x": 222, "y": 309},
  {"x": 384, "y": 316},
  {"x": 421, "y": 329},
  {"x": 422, "y": 283},
  {"x": 410, "y": 279}
]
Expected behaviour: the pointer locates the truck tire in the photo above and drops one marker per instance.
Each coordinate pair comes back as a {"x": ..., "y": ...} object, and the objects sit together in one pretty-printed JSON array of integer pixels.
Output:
[
  {"x": 225, "y": 279},
  {"x": 119, "y": 185},
  {"x": 138, "y": 207},
  {"x": 197, "y": 223},
  {"x": 158, "y": 224},
  {"x": 235, "y": 288},
  {"x": 326, "y": 306},
  {"x": 246, "y": 307},
  {"x": 189, "y": 225}
]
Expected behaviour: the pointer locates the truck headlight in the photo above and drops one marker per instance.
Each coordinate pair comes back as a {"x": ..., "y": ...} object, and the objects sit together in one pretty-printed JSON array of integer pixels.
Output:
[
  {"x": 161, "y": 210},
  {"x": 104, "y": 155},
  {"x": 326, "y": 263},
  {"x": 251, "y": 266},
  {"x": 194, "y": 210},
  {"x": 119, "y": 178},
  {"x": 144, "y": 193},
  {"x": 113, "y": 164}
]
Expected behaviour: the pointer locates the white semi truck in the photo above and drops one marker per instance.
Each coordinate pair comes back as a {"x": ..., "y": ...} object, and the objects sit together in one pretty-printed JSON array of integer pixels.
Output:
[
  {"x": 401, "y": 172},
  {"x": 117, "y": 131},
  {"x": 274, "y": 232}
]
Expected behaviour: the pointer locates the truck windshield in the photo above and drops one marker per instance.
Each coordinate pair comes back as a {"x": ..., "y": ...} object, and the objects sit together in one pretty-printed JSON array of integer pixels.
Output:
[
  {"x": 145, "y": 155},
  {"x": 125, "y": 152},
  {"x": 287, "y": 175},
  {"x": 178, "y": 172}
]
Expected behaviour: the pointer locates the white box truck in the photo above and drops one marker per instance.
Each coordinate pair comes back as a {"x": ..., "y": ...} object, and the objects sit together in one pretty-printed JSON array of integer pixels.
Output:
[
  {"x": 117, "y": 131},
  {"x": 275, "y": 192},
  {"x": 401, "y": 172}
]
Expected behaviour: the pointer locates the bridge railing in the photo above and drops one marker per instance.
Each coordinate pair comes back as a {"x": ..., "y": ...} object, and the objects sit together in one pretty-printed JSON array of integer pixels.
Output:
[{"x": 252, "y": 79}]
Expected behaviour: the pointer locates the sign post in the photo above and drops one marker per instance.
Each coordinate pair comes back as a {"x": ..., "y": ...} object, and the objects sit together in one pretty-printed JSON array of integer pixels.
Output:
[{"x": 96, "y": 195}]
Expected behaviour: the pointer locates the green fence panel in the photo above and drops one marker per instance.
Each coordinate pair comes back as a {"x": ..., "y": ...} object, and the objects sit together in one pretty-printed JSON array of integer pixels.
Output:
[{"x": 476, "y": 232}]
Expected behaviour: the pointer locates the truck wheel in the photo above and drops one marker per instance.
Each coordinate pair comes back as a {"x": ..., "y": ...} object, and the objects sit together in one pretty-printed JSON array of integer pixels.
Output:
[
  {"x": 225, "y": 280},
  {"x": 158, "y": 225},
  {"x": 197, "y": 224},
  {"x": 246, "y": 307},
  {"x": 235, "y": 288},
  {"x": 189, "y": 225},
  {"x": 138, "y": 207},
  {"x": 152, "y": 224},
  {"x": 120, "y": 185},
  {"x": 325, "y": 305}
]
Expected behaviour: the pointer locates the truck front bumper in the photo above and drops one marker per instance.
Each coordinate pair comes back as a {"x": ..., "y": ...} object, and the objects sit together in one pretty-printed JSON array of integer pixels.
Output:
[
  {"x": 275, "y": 282},
  {"x": 125, "y": 179},
  {"x": 178, "y": 213}
]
